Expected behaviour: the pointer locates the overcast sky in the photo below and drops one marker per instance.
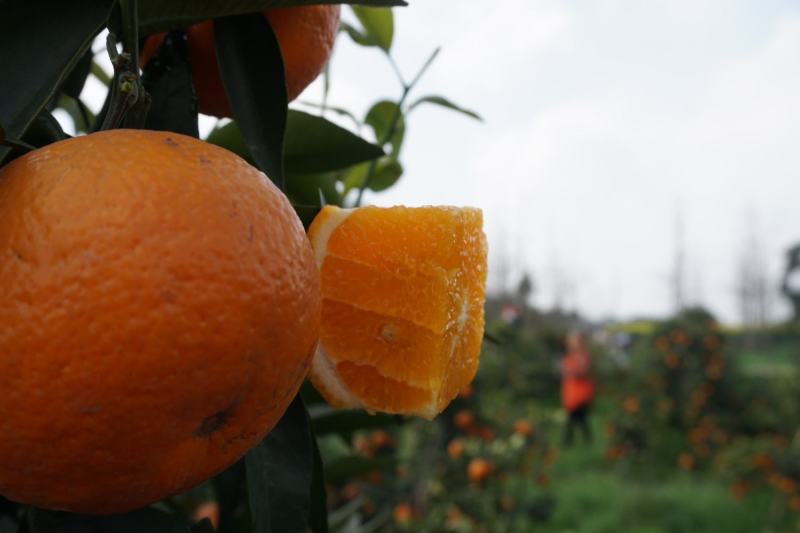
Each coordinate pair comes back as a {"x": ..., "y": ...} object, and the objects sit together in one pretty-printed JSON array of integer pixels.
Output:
[{"x": 607, "y": 121}]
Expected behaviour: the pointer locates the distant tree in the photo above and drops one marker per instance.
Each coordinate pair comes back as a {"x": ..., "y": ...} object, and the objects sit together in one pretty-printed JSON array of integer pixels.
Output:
[
  {"x": 754, "y": 289},
  {"x": 791, "y": 279},
  {"x": 525, "y": 290}
]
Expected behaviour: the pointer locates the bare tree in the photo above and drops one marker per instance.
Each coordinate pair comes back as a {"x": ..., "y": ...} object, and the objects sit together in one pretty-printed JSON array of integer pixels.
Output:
[
  {"x": 791, "y": 279},
  {"x": 677, "y": 278},
  {"x": 754, "y": 288},
  {"x": 500, "y": 279}
]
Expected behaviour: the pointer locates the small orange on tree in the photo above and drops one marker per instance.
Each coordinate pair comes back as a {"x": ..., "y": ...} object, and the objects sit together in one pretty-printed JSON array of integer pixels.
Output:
[{"x": 305, "y": 34}]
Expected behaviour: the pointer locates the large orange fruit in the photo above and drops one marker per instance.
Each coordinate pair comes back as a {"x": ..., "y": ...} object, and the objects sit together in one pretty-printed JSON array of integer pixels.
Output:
[
  {"x": 160, "y": 305},
  {"x": 305, "y": 34},
  {"x": 402, "y": 306}
]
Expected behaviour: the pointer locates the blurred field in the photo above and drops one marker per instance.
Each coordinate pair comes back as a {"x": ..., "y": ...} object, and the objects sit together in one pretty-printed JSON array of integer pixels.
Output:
[{"x": 695, "y": 429}]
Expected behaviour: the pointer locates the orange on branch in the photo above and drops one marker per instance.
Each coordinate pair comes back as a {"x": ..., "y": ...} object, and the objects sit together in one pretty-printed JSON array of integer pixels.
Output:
[
  {"x": 305, "y": 34},
  {"x": 479, "y": 469},
  {"x": 402, "y": 306},
  {"x": 160, "y": 310}
]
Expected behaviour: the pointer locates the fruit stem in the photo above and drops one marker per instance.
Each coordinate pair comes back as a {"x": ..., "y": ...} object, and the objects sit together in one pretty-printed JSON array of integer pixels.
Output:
[
  {"x": 129, "y": 100},
  {"x": 398, "y": 112}
]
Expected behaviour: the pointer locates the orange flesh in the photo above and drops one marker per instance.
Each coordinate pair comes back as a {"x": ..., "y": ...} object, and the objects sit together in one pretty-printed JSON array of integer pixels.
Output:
[{"x": 402, "y": 310}]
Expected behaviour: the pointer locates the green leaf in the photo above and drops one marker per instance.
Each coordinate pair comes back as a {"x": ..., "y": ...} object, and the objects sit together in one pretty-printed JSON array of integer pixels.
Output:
[
  {"x": 230, "y": 488},
  {"x": 318, "y": 512},
  {"x": 347, "y": 468},
  {"x": 150, "y": 519},
  {"x": 387, "y": 171},
  {"x": 167, "y": 77},
  {"x": 80, "y": 114},
  {"x": 314, "y": 144},
  {"x": 279, "y": 474},
  {"x": 313, "y": 190},
  {"x": 251, "y": 66},
  {"x": 381, "y": 117},
  {"x": 73, "y": 85},
  {"x": 338, "y": 110},
  {"x": 8, "y": 525},
  {"x": 326, "y": 420},
  {"x": 230, "y": 137},
  {"x": 444, "y": 102},
  {"x": 44, "y": 130},
  {"x": 357, "y": 35},
  {"x": 378, "y": 24},
  {"x": 160, "y": 15},
  {"x": 203, "y": 526},
  {"x": 41, "y": 47}
]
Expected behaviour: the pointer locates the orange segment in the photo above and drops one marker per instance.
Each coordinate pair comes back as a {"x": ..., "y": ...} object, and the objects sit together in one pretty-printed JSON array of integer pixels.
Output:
[
  {"x": 384, "y": 292},
  {"x": 380, "y": 393},
  {"x": 397, "y": 347},
  {"x": 402, "y": 312}
]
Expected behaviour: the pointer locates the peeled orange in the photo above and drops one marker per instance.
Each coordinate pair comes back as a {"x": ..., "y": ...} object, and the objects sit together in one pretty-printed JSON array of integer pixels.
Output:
[{"x": 402, "y": 306}]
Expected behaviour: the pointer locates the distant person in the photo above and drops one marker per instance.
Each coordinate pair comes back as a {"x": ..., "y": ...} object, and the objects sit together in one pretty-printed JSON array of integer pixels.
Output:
[{"x": 577, "y": 387}]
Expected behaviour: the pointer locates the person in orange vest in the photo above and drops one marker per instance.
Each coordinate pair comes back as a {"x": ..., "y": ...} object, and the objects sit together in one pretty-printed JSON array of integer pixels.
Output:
[{"x": 577, "y": 387}]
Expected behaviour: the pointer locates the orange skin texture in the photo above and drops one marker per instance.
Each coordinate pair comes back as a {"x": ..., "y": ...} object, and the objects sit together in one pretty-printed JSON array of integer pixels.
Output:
[
  {"x": 305, "y": 34},
  {"x": 160, "y": 308}
]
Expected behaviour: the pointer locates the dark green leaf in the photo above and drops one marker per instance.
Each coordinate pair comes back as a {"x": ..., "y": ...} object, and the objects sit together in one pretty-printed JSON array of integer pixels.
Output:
[
  {"x": 252, "y": 71},
  {"x": 444, "y": 102},
  {"x": 279, "y": 473},
  {"x": 378, "y": 24},
  {"x": 326, "y": 420},
  {"x": 203, "y": 526},
  {"x": 8, "y": 525},
  {"x": 230, "y": 488},
  {"x": 77, "y": 110},
  {"x": 149, "y": 519},
  {"x": 73, "y": 85},
  {"x": 353, "y": 466},
  {"x": 381, "y": 117},
  {"x": 230, "y": 137},
  {"x": 44, "y": 130},
  {"x": 318, "y": 513},
  {"x": 314, "y": 144},
  {"x": 358, "y": 36},
  {"x": 43, "y": 44},
  {"x": 313, "y": 189},
  {"x": 311, "y": 397},
  {"x": 338, "y": 110},
  {"x": 168, "y": 79},
  {"x": 159, "y": 15},
  {"x": 387, "y": 171}
]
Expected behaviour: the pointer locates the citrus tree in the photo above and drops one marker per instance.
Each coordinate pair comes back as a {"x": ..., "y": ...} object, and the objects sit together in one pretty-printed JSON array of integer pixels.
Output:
[{"x": 252, "y": 462}]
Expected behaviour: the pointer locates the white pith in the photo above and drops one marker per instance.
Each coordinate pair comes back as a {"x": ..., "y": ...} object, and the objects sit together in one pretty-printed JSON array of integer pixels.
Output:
[{"x": 321, "y": 366}]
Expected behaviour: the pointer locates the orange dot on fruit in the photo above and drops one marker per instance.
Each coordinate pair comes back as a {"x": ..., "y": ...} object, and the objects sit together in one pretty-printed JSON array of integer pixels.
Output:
[
  {"x": 160, "y": 310},
  {"x": 402, "y": 306}
]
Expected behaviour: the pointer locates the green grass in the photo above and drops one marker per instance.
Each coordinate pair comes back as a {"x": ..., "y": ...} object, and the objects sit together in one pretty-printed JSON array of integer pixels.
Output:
[
  {"x": 594, "y": 495},
  {"x": 776, "y": 363},
  {"x": 599, "y": 502}
]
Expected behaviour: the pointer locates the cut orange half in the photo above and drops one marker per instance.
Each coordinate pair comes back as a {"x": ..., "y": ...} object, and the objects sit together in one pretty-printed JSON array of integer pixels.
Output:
[{"x": 402, "y": 306}]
